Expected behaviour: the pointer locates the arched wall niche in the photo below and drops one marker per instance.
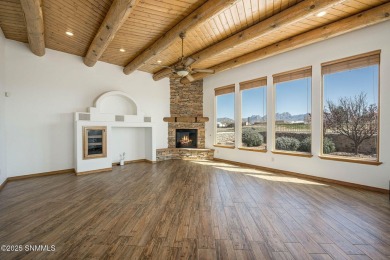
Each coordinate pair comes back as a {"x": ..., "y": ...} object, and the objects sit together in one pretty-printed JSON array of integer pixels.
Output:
[
  {"x": 114, "y": 106},
  {"x": 116, "y": 102},
  {"x": 125, "y": 124}
]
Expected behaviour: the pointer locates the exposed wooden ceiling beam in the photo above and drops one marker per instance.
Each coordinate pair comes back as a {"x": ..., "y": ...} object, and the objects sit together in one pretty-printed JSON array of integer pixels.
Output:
[
  {"x": 200, "y": 15},
  {"x": 289, "y": 16},
  {"x": 358, "y": 21},
  {"x": 34, "y": 22},
  {"x": 116, "y": 16}
]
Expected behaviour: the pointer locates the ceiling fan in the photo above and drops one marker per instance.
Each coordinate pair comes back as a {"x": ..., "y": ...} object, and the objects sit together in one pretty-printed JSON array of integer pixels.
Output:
[{"x": 183, "y": 67}]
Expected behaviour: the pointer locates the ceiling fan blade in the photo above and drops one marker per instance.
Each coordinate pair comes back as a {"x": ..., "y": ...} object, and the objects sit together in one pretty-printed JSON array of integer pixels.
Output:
[
  {"x": 203, "y": 70},
  {"x": 190, "y": 78},
  {"x": 189, "y": 61}
]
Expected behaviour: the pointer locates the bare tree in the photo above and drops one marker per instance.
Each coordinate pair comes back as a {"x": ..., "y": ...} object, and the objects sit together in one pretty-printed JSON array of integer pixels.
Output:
[{"x": 352, "y": 117}]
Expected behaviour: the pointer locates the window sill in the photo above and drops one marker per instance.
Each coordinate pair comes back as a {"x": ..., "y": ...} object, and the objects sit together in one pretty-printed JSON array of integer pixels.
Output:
[
  {"x": 252, "y": 149},
  {"x": 299, "y": 154},
  {"x": 224, "y": 146},
  {"x": 348, "y": 159}
]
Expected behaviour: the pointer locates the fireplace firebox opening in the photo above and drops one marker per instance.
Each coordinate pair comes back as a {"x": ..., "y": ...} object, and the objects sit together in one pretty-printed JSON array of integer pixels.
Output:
[{"x": 186, "y": 138}]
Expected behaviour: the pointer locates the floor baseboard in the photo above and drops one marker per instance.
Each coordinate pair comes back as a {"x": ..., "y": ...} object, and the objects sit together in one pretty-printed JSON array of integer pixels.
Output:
[
  {"x": 3, "y": 184},
  {"x": 94, "y": 171},
  {"x": 34, "y": 175},
  {"x": 133, "y": 161},
  {"x": 321, "y": 179},
  {"x": 150, "y": 161}
]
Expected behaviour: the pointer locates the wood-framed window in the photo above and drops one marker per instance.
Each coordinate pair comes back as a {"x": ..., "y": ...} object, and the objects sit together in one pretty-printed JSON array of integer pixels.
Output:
[
  {"x": 292, "y": 118},
  {"x": 350, "y": 109},
  {"x": 225, "y": 117},
  {"x": 254, "y": 114},
  {"x": 94, "y": 142}
]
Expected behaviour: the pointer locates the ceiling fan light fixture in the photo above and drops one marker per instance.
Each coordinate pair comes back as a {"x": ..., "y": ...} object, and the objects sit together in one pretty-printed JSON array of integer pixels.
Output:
[
  {"x": 182, "y": 73},
  {"x": 183, "y": 67}
]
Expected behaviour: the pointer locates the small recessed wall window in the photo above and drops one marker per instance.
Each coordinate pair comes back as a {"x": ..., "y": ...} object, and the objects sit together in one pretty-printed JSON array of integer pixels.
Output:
[
  {"x": 224, "y": 116},
  {"x": 292, "y": 119},
  {"x": 350, "y": 116},
  {"x": 254, "y": 114}
]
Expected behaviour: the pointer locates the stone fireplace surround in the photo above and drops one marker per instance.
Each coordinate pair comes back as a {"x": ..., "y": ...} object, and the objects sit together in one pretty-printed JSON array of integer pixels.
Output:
[{"x": 186, "y": 108}]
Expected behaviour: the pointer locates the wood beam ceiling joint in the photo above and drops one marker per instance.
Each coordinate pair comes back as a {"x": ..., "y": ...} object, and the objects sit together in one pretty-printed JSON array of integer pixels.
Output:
[
  {"x": 199, "y": 16},
  {"x": 287, "y": 17},
  {"x": 352, "y": 23},
  {"x": 32, "y": 10},
  {"x": 116, "y": 16}
]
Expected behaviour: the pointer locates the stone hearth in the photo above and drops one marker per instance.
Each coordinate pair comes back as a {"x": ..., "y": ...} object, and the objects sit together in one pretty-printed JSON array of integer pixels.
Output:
[
  {"x": 184, "y": 154},
  {"x": 186, "y": 108}
]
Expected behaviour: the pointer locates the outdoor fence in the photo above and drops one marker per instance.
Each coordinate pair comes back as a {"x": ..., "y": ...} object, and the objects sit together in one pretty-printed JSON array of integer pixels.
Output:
[{"x": 289, "y": 128}]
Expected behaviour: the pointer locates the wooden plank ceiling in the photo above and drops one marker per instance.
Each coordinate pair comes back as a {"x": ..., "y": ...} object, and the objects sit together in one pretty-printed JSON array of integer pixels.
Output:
[{"x": 152, "y": 19}]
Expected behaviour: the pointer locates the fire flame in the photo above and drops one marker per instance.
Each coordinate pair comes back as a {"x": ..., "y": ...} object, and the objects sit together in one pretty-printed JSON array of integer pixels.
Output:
[{"x": 185, "y": 140}]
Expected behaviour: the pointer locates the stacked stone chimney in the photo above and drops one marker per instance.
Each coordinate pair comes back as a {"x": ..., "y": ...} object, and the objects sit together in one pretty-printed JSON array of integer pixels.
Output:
[
  {"x": 186, "y": 108},
  {"x": 186, "y": 103}
]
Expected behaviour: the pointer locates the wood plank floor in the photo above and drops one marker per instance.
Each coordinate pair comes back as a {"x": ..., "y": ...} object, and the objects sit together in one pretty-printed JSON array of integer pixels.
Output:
[{"x": 192, "y": 210}]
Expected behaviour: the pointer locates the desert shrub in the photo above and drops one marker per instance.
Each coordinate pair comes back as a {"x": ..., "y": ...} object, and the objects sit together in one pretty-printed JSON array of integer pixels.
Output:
[
  {"x": 305, "y": 145},
  {"x": 251, "y": 138},
  {"x": 328, "y": 146},
  {"x": 287, "y": 143}
]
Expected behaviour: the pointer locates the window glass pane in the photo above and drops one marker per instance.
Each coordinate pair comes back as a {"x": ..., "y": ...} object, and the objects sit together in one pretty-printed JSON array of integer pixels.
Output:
[
  {"x": 225, "y": 120},
  {"x": 293, "y": 116},
  {"x": 254, "y": 118},
  {"x": 350, "y": 115}
]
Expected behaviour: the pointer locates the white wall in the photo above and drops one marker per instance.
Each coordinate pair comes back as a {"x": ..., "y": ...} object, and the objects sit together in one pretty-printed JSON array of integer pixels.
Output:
[
  {"x": 118, "y": 105},
  {"x": 3, "y": 166},
  {"x": 128, "y": 140},
  {"x": 361, "y": 41},
  {"x": 46, "y": 91}
]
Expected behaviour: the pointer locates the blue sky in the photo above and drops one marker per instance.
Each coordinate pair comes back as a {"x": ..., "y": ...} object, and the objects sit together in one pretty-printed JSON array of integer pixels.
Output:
[
  {"x": 293, "y": 97},
  {"x": 225, "y": 105},
  {"x": 352, "y": 83},
  {"x": 255, "y": 102}
]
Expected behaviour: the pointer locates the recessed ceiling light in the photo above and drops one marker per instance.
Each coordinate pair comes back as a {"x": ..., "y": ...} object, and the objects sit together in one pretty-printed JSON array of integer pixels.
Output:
[
  {"x": 122, "y": 50},
  {"x": 69, "y": 33},
  {"x": 320, "y": 14},
  {"x": 159, "y": 61}
]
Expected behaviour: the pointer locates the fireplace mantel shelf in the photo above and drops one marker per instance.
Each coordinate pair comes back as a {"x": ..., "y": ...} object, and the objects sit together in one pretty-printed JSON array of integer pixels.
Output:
[{"x": 195, "y": 119}]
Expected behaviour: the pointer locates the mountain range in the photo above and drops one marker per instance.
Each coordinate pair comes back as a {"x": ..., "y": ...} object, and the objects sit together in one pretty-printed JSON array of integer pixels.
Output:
[{"x": 285, "y": 116}]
